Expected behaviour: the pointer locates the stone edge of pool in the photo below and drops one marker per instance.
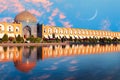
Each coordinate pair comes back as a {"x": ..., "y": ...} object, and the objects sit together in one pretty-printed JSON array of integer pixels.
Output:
[{"x": 31, "y": 44}]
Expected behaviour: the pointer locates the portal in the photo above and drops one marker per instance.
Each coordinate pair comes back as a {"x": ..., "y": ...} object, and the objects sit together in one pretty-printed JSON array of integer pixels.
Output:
[{"x": 27, "y": 32}]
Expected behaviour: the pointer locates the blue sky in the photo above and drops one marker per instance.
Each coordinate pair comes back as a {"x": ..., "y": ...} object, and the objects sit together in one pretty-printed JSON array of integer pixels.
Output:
[{"x": 87, "y": 14}]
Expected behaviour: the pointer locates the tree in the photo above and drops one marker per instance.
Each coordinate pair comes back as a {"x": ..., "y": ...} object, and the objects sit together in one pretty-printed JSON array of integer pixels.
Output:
[
  {"x": 31, "y": 39},
  {"x": 70, "y": 39},
  {"x": 37, "y": 40},
  {"x": 5, "y": 38},
  {"x": 19, "y": 39}
]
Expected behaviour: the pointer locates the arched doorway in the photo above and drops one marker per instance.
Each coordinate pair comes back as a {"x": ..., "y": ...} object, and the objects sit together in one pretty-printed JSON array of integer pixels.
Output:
[{"x": 27, "y": 31}]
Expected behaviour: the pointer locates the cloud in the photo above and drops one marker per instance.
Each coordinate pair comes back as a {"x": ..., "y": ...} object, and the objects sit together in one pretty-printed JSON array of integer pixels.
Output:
[
  {"x": 17, "y": 4},
  {"x": 62, "y": 16},
  {"x": 7, "y": 19},
  {"x": 55, "y": 12},
  {"x": 11, "y": 5},
  {"x": 45, "y": 3},
  {"x": 66, "y": 24},
  {"x": 2, "y": 8},
  {"x": 52, "y": 23},
  {"x": 35, "y": 12},
  {"x": 105, "y": 25}
]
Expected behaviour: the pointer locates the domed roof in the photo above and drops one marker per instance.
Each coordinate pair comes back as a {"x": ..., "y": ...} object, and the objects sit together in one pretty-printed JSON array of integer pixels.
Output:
[{"x": 26, "y": 17}]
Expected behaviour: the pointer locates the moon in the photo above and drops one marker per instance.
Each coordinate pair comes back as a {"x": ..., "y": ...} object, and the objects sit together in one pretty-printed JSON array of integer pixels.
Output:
[{"x": 94, "y": 16}]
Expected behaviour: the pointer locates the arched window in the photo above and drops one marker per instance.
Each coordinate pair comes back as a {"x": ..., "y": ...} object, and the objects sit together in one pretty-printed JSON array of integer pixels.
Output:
[
  {"x": 83, "y": 32},
  {"x": 65, "y": 31},
  {"x": 61, "y": 31},
  {"x": 10, "y": 28},
  {"x": 50, "y": 30},
  {"x": 17, "y": 29},
  {"x": 56, "y": 31},
  {"x": 1, "y": 27},
  {"x": 70, "y": 31},
  {"x": 75, "y": 32},
  {"x": 44, "y": 30}
]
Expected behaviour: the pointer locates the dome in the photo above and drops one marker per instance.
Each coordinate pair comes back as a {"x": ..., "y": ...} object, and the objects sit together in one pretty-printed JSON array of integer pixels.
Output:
[{"x": 25, "y": 16}]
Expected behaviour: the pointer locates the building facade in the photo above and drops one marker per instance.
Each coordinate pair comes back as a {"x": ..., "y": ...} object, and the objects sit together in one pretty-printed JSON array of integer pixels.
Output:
[
  {"x": 11, "y": 29},
  {"x": 59, "y": 32}
]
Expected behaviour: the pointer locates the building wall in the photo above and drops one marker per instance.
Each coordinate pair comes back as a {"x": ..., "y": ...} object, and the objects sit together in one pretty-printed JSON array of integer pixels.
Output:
[
  {"x": 11, "y": 29},
  {"x": 15, "y": 29},
  {"x": 48, "y": 31}
]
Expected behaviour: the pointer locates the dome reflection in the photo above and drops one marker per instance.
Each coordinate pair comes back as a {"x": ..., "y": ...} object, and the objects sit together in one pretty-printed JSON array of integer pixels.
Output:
[{"x": 27, "y": 61}]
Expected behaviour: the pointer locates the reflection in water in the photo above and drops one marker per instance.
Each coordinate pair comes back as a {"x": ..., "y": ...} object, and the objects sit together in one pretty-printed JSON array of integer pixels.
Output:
[
  {"x": 25, "y": 58},
  {"x": 58, "y": 51}
]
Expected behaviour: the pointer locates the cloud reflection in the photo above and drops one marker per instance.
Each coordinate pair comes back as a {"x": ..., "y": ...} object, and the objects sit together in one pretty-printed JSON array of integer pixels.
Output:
[
  {"x": 3, "y": 67},
  {"x": 74, "y": 62},
  {"x": 70, "y": 78},
  {"x": 43, "y": 77},
  {"x": 72, "y": 68},
  {"x": 51, "y": 68}
]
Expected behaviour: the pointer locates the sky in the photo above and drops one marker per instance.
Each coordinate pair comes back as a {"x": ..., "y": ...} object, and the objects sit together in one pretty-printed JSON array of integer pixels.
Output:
[{"x": 85, "y": 14}]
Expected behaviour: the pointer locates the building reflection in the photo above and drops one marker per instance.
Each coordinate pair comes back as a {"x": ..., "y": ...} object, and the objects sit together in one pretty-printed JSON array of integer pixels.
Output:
[
  {"x": 74, "y": 50},
  {"x": 25, "y": 58}
]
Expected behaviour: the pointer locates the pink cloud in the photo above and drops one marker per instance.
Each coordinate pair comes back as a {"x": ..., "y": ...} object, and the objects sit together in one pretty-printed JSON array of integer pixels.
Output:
[
  {"x": 18, "y": 5},
  {"x": 52, "y": 23},
  {"x": 66, "y": 24},
  {"x": 2, "y": 8},
  {"x": 45, "y": 3},
  {"x": 6, "y": 19},
  {"x": 37, "y": 13},
  {"x": 54, "y": 13},
  {"x": 15, "y": 7},
  {"x": 62, "y": 16}
]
